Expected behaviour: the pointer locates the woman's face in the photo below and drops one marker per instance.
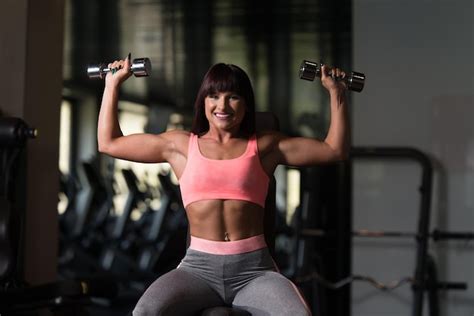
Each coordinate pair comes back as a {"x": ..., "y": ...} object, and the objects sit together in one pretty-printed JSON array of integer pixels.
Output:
[{"x": 225, "y": 110}]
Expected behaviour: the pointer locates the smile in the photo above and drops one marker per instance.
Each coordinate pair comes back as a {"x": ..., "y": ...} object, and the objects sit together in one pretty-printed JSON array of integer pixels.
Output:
[{"x": 222, "y": 115}]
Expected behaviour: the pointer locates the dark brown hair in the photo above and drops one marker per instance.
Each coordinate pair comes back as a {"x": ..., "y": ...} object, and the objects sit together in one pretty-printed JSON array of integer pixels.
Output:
[{"x": 222, "y": 78}]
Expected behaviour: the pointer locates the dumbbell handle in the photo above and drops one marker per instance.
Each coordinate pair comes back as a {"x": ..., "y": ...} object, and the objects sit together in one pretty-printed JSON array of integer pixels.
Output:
[
  {"x": 309, "y": 70},
  {"x": 141, "y": 67}
]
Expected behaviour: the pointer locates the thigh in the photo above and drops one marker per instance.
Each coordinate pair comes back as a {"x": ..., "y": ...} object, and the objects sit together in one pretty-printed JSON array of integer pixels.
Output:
[
  {"x": 176, "y": 293},
  {"x": 271, "y": 294}
]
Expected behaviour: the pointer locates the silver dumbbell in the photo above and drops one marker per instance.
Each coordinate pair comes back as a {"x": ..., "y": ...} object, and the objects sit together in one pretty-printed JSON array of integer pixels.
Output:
[
  {"x": 309, "y": 70},
  {"x": 141, "y": 67}
]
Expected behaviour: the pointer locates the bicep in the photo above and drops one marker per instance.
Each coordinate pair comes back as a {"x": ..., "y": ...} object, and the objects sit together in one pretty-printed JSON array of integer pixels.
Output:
[
  {"x": 304, "y": 151},
  {"x": 148, "y": 148}
]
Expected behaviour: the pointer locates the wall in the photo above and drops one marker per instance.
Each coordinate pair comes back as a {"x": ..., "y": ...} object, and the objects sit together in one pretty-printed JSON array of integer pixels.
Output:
[
  {"x": 417, "y": 55},
  {"x": 31, "y": 44}
]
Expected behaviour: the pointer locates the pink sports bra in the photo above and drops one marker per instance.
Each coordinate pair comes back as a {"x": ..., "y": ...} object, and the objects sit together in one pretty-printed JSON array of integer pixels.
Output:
[{"x": 241, "y": 178}]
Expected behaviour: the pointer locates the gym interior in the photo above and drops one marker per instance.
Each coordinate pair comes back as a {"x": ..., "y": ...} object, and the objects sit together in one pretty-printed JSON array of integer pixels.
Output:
[{"x": 388, "y": 232}]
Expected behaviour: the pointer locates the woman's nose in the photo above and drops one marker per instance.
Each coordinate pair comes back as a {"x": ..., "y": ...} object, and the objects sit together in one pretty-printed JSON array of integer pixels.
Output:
[{"x": 222, "y": 103}]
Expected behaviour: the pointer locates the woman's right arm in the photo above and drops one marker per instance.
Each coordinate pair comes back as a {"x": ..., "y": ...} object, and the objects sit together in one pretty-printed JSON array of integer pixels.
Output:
[{"x": 135, "y": 147}]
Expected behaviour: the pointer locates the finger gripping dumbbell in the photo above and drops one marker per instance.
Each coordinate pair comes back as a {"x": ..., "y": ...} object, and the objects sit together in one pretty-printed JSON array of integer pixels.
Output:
[
  {"x": 309, "y": 70},
  {"x": 141, "y": 67}
]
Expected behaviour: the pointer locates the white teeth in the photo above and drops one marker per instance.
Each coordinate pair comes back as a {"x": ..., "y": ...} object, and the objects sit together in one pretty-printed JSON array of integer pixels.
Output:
[{"x": 222, "y": 115}]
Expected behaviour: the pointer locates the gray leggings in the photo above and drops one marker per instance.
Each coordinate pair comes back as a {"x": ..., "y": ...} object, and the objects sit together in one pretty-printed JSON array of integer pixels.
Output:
[{"x": 248, "y": 281}]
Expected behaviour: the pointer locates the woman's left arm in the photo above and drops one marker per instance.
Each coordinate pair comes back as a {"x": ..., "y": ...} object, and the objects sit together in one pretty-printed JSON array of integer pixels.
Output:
[{"x": 303, "y": 151}]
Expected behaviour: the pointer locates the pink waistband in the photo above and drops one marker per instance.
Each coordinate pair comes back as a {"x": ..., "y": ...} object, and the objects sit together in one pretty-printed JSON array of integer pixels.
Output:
[{"x": 228, "y": 247}]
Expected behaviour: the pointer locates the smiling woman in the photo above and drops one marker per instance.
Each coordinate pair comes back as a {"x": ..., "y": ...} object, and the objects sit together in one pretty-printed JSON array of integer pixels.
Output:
[
  {"x": 231, "y": 84},
  {"x": 223, "y": 166},
  {"x": 226, "y": 109}
]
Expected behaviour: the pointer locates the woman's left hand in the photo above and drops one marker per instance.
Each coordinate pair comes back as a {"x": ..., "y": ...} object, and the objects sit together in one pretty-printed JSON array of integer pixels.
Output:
[{"x": 332, "y": 79}]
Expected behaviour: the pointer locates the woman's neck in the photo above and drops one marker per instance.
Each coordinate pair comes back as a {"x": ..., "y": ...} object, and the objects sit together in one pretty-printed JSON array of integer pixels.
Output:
[{"x": 222, "y": 135}]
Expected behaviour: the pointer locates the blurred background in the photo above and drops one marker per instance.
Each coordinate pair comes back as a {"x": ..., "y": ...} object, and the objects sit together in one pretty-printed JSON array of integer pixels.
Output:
[{"x": 388, "y": 232}]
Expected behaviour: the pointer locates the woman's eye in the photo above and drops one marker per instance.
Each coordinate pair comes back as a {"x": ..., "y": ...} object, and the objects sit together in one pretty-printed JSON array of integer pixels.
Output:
[{"x": 235, "y": 97}]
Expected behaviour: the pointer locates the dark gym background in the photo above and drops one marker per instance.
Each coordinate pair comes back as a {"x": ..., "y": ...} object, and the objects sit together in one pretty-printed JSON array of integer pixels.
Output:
[{"x": 46, "y": 46}]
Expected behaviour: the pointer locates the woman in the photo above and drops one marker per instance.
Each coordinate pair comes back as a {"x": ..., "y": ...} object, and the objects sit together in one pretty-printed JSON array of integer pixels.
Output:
[{"x": 223, "y": 167}]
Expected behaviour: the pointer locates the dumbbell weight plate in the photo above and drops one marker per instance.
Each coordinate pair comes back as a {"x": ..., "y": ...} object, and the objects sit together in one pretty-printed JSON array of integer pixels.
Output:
[
  {"x": 309, "y": 70},
  {"x": 96, "y": 71},
  {"x": 141, "y": 67}
]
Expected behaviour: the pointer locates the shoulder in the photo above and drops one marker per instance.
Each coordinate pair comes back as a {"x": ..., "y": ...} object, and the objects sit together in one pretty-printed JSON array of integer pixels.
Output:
[
  {"x": 175, "y": 136},
  {"x": 268, "y": 141},
  {"x": 177, "y": 140},
  {"x": 270, "y": 136}
]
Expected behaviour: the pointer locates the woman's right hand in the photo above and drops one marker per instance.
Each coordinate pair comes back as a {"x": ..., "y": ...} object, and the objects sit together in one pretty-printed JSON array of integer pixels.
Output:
[{"x": 119, "y": 72}]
